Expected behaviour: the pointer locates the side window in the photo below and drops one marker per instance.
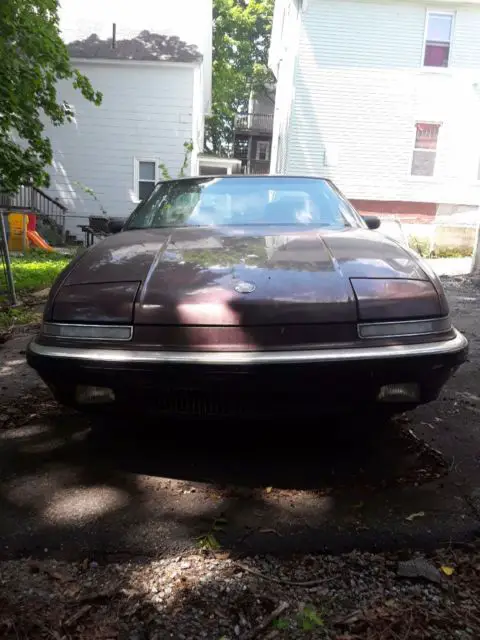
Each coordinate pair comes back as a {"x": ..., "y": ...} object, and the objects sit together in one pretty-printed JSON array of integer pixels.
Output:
[
  {"x": 425, "y": 149},
  {"x": 145, "y": 178},
  {"x": 438, "y": 39},
  {"x": 263, "y": 150}
]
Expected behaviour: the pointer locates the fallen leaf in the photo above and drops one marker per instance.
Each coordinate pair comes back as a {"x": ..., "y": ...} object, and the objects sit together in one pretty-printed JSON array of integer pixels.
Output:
[
  {"x": 269, "y": 489},
  {"x": 412, "y": 516},
  {"x": 447, "y": 570}
]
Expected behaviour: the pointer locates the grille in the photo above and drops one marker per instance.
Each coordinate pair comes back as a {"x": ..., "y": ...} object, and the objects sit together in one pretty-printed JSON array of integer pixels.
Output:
[{"x": 199, "y": 404}]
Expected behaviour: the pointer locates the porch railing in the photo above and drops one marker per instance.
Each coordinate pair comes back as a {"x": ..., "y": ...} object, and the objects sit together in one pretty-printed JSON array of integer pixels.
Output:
[
  {"x": 34, "y": 200},
  {"x": 258, "y": 122}
]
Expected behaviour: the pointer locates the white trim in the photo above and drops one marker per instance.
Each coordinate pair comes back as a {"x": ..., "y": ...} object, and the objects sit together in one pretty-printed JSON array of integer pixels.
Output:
[
  {"x": 428, "y": 12},
  {"x": 136, "y": 172},
  {"x": 120, "y": 61},
  {"x": 198, "y": 121}
]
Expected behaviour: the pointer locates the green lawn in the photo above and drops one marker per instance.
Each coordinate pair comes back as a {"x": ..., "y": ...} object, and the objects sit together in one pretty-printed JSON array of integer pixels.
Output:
[
  {"x": 37, "y": 270},
  {"x": 32, "y": 272}
]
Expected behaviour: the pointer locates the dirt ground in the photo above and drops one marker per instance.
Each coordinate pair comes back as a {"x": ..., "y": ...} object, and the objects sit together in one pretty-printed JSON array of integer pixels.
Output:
[{"x": 111, "y": 530}]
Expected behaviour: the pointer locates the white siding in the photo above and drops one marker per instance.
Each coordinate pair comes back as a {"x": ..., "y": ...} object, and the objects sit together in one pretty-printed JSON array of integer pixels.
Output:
[
  {"x": 146, "y": 113},
  {"x": 282, "y": 61},
  {"x": 359, "y": 88},
  {"x": 191, "y": 20}
]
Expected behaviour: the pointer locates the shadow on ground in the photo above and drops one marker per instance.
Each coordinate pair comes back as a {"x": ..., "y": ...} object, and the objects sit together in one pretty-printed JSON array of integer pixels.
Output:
[{"x": 250, "y": 487}]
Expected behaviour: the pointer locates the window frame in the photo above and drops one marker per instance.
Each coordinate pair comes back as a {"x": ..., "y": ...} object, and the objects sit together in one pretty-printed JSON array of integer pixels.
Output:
[
  {"x": 414, "y": 176},
  {"x": 136, "y": 173},
  {"x": 268, "y": 150},
  {"x": 438, "y": 12}
]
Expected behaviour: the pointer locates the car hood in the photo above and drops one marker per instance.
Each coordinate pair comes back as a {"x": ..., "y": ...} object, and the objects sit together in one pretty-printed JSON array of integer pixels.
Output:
[{"x": 229, "y": 276}]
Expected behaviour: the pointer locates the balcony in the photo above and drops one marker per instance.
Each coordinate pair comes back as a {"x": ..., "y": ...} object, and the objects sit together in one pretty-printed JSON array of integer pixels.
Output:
[
  {"x": 258, "y": 167},
  {"x": 260, "y": 123}
]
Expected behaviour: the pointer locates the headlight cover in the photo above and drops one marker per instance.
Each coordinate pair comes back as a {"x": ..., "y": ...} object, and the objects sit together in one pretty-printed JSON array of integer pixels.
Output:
[
  {"x": 396, "y": 299},
  {"x": 109, "y": 303},
  {"x": 86, "y": 331},
  {"x": 404, "y": 329}
]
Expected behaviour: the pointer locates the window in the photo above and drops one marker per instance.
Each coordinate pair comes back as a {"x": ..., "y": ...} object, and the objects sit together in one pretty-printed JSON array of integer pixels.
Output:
[
  {"x": 245, "y": 201},
  {"x": 263, "y": 150},
  {"x": 438, "y": 35},
  {"x": 145, "y": 178},
  {"x": 425, "y": 149}
]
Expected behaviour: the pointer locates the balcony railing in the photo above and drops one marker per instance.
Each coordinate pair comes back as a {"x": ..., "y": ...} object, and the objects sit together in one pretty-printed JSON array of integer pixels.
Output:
[
  {"x": 257, "y": 167},
  {"x": 257, "y": 122},
  {"x": 33, "y": 200}
]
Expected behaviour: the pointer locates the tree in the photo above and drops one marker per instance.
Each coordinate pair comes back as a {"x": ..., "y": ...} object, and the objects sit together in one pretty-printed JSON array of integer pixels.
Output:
[
  {"x": 33, "y": 58},
  {"x": 241, "y": 39}
]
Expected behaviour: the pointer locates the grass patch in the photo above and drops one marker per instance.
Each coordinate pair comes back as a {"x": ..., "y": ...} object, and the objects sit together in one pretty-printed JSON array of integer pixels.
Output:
[
  {"x": 32, "y": 272},
  {"x": 11, "y": 318},
  {"x": 422, "y": 247},
  {"x": 37, "y": 270}
]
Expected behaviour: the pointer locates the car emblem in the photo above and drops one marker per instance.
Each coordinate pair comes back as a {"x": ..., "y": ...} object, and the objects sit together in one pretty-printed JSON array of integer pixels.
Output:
[{"x": 245, "y": 287}]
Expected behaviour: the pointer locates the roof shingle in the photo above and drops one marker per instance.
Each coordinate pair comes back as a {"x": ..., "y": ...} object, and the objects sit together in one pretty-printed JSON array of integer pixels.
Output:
[{"x": 145, "y": 46}]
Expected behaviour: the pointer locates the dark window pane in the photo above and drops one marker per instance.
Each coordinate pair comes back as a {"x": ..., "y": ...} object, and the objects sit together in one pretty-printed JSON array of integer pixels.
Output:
[
  {"x": 213, "y": 171},
  {"x": 146, "y": 171},
  {"x": 262, "y": 150},
  {"x": 423, "y": 163},
  {"x": 145, "y": 189},
  {"x": 436, "y": 54}
]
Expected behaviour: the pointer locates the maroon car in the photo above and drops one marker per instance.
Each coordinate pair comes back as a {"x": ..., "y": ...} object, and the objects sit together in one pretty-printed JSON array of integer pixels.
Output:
[{"x": 247, "y": 295}]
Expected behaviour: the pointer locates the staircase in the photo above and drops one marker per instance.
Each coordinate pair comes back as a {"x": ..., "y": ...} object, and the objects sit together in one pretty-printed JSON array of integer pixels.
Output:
[{"x": 32, "y": 200}]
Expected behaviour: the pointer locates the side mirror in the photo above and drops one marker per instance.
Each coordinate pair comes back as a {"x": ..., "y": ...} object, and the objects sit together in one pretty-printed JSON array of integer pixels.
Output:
[
  {"x": 372, "y": 222},
  {"x": 115, "y": 225}
]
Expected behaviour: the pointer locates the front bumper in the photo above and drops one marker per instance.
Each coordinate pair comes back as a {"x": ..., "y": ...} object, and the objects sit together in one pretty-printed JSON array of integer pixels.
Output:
[{"x": 249, "y": 382}]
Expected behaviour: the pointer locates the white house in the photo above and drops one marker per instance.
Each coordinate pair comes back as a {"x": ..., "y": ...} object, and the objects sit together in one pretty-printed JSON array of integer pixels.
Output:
[
  {"x": 381, "y": 97},
  {"x": 152, "y": 60}
]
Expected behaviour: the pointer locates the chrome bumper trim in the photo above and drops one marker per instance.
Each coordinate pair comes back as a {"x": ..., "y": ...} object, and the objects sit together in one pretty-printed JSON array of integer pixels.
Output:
[{"x": 446, "y": 347}]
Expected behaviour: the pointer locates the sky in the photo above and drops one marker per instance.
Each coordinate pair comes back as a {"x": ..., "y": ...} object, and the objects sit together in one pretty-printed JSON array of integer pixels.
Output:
[{"x": 81, "y": 18}]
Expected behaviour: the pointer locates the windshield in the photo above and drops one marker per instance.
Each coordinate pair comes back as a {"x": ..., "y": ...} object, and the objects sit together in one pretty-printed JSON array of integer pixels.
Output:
[{"x": 244, "y": 201}]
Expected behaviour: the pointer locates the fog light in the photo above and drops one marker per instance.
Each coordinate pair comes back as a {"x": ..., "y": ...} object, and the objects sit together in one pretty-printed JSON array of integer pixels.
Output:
[
  {"x": 403, "y": 392},
  {"x": 94, "y": 395}
]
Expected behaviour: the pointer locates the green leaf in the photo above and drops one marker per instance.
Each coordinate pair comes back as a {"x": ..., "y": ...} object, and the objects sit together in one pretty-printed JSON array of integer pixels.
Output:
[
  {"x": 309, "y": 619},
  {"x": 33, "y": 59},
  {"x": 280, "y": 624},
  {"x": 241, "y": 41}
]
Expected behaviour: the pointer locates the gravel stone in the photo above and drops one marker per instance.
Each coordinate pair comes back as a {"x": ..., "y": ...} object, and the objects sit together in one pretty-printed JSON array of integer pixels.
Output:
[{"x": 202, "y": 596}]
